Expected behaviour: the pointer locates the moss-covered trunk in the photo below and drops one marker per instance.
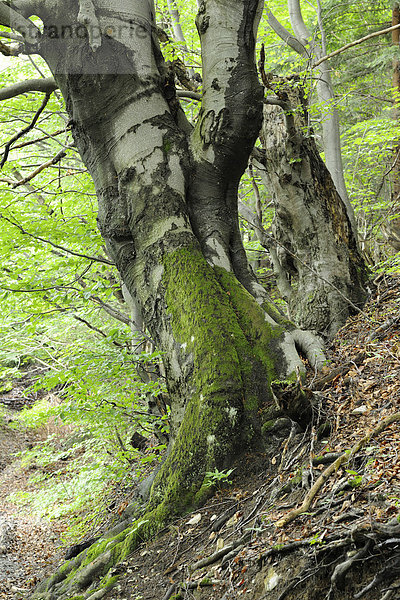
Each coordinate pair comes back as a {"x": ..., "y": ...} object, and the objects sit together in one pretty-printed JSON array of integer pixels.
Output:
[
  {"x": 167, "y": 212},
  {"x": 234, "y": 353}
]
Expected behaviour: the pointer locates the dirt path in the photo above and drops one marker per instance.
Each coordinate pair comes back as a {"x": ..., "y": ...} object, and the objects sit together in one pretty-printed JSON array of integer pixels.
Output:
[{"x": 29, "y": 547}]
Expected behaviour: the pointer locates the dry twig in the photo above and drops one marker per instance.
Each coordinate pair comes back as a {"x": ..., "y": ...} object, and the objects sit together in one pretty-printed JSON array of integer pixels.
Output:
[{"x": 342, "y": 460}]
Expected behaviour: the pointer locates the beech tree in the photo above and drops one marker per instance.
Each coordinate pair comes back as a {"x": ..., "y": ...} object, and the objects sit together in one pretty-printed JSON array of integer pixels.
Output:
[
  {"x": 168, "y": 212},
  {"x": 319, "y": 269}
]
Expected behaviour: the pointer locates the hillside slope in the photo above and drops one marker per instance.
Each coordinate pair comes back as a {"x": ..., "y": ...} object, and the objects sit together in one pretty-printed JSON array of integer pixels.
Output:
[
  {"x": 342, "y": 475},
  {"x": 347, "y": 542}
]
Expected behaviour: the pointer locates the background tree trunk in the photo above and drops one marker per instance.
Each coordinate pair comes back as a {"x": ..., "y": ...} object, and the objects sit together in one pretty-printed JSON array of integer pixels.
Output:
[
  {"x": 315, "y": 244},
  {"x": 304, "y": 43},
  {"x": 396, "y": 110}
]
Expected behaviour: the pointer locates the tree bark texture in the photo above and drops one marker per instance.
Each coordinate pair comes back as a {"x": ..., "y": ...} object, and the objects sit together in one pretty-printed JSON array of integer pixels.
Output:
[
  {"x": 168, "y": 213},
  {"x": 320, "y": 271},
  {"x": 396, "y": 109}
]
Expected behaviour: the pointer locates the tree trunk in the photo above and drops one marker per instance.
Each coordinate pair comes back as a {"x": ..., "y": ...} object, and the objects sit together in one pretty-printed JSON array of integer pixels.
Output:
[
  {"x": 396, "y": 110},
  {"x": 391, "y": 226},
  {"x": 167, "y": 197},
  {"x": 315, "y": 245},
  {"x": 168, "y": 213}
]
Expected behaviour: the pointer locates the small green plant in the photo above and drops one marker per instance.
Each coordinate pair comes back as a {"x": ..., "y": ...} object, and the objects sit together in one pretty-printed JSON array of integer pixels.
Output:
[
  {"x": 317, "y": 539},
  {"x": 395, "y": 500},
  {"x": 356, "y": 479},
  {"x": 216, "y": 478}
]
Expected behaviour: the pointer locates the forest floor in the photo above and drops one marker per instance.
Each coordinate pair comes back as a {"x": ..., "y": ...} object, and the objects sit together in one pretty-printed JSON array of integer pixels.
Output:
[
  {"x": 29, "y": 546},
  {"x": 346, "y": 542}
]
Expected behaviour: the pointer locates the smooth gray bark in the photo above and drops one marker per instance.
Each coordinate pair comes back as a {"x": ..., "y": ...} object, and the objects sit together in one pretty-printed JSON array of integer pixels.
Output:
[{"x": 161, "y": 190}]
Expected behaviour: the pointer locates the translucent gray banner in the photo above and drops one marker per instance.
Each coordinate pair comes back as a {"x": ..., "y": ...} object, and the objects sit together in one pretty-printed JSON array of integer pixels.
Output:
[{"x": 106, "y": 42}]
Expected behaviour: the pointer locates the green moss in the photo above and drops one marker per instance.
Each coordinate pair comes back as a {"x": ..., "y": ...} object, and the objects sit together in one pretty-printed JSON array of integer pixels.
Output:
[
  {"x": 231, "y": 349},
  {"x": 284, "y": 383},
  {"x": 264, "y": 338},
  {"x": 224, "y": 333},
  {"x": 107, "y": 583},
  {"x": 356, "y": 481},
  {"x": 275, "y": 426},
  {"x": 267, "y": 426},
  {"x": 167, "y": 145},
  {"x": 251, "y": 403},
  {"x": 204, "y": 493}
]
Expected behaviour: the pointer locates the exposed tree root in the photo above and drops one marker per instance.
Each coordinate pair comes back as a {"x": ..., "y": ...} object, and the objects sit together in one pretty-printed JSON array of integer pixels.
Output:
[
  {"x": 375, "y": 545},
  {"x": 188, "y": 585},
  {"x": 339, "y": 573},
  {"x": 382, "y": 328},
  {"x": 77, "y": 575},
  {"x": 295, "y": 401},
  {"x": 342, "y": 460},
  {"x": 209, "y": 560},
  {"x": 320, "y": 382},
  {"x": 388, "y": 575}
]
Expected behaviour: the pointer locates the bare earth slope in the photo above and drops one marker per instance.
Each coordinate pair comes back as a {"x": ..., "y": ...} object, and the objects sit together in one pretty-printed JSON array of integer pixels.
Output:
[{"x": 347, "y": 544}]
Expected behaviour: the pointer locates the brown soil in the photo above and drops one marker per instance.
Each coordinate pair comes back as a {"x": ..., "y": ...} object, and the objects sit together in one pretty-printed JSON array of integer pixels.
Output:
[
  {"x": 298, "y": 561},
  {"x": 33, "y": 551}
]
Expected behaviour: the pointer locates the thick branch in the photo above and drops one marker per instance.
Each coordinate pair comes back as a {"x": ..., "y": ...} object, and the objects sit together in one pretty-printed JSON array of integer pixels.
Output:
[
  {"x": 287, "y": 111},
  {"x": 8, "y": 50},
  {"x": 176, "y": 25},
  {"x": 297, "y": 22},
  {"x": 188, "y": 94},
  {"x": 110, "y": 310},
  {"x": 47, "y": 85},
  {"x": 87, "y": 16},
  {"x": 285, "y": 35},
  {"x": 330, "y": 125},
  {"x": 227, "y": 127},
  {"x": 11, "y": 18}
]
